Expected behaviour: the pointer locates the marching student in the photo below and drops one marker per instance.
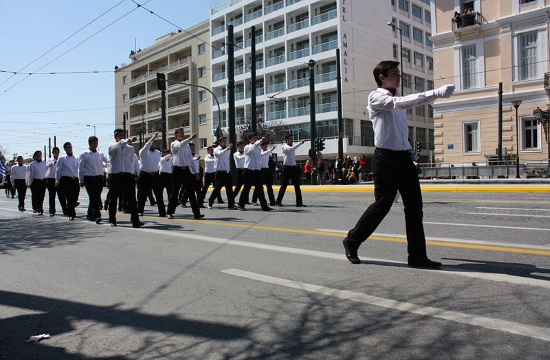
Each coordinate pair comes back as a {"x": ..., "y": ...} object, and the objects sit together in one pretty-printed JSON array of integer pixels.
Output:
[
  {"x": 51, "y": 166},
  {"x": 291, "y": 171},
  {"x": 165, "y": 175},
  {"x": 37, "y": 182},
  {"x": 19, "y": 176},
  {"x": 267, "y": 175},
  {"x": 90, "y": 173},
  {"x": 149, "y": 175},
  {"x": 66, "y": 179},
  {"x": 209, "y": 174},
  {"x": 223, "y": 174},
  {"x": 238, "y": 156},
  {"x": 252, "y": 173}
]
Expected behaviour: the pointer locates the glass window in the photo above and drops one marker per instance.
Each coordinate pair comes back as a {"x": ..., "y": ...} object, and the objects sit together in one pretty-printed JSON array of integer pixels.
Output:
[
  {"x": 419, "y": 84},
  {"x": 418, "y": 35},
  {"x": 125, "y": 97},
  {"x": 528, "y": 67},
  {"x": 202, "y": 71},
  {"x": 202, "y": 119},
  {"x": 395, "y": 51},
  {"x": 429, "y": 63},
  {"x": 203, "y": 143},
  {"x": 418, "y": 59},
  {"x": 428, "y": 40},
  {"x": 427, "y": 17},
  {"x": 429, "y": 85},
  {"x": 470, "y": 135},
  {"x": 469, "y": 67},
  {"x": 202, "y": 95},
  {"x": 521, "y": 2},
  {"x": 406, "y": 54},
  {"x": 406, "y": 79},
  {"x": 420, "y": 111},
  {"x": 405, "y": 29},
  {"x": 125, "y": 80},
  {"x": 202, "y": 48},
  {"x": 404, "y": 5},
  {"x": 367, "y": 133},
  {"x": 530, "y": 134},
  {"x": 417, "y": 11}
]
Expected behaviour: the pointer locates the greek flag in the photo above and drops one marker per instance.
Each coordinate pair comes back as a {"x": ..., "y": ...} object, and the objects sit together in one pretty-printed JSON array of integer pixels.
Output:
[{"x": 3, "y": 169}]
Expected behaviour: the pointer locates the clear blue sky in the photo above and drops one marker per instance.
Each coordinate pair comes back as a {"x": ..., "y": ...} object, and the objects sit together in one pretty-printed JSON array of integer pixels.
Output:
[{"x": 37, "y": 107}]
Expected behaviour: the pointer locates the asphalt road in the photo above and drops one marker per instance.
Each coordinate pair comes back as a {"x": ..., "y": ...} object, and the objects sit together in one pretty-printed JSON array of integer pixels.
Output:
[{"x": 258, "y": 285}]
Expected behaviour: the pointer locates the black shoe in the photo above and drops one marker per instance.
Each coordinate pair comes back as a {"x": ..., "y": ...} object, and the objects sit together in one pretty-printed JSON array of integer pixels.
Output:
[
  {"x": 52, "y": 215},
  {"x": 267, "y": 209},
  {"x": 279, "y": 204},
  {"x": 40, "y": 212},
  {"x": 221, "y": 202},
  {"x": 89, "y": 218},
  {"x": 71, "y": 218},
  {"x": 351, "y": 251},
  {"x": 272, "y": 203},
  {"x": 162, "y": 215},
  {"x": 198, "y": 217},
  {"x": 170, "y": 216},
  {"x": 425, "y": 263},
  {"x": 77, "y": 203},
  {"x": 301, "y": 205},
  {"x": 241, "y": 208},
  {"x": 255, "y": 203},
  {"x": 202, "y": 206},
  {"x": 113, "y": 224},
  {"x": 98, "y": 220},
  {"x": 138, "y": 224}
]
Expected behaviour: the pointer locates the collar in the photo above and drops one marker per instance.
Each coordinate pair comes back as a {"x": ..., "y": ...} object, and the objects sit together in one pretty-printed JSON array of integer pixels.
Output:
[{"x": 93, "y": 150}]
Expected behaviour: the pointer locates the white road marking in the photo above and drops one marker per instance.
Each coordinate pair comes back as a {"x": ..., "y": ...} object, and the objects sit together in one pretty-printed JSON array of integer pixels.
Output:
[
  {"x": 514, "y": 209},
  {"x": 532, "y": 331},
  {"x": 512, "y": 215},
  {"x": 487, "y": 226},
  {"x": 451, "y": 240}
]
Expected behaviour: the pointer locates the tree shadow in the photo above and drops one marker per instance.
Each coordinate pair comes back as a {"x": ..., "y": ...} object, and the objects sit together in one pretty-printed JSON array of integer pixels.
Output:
[{"x": 493, "y": 267}]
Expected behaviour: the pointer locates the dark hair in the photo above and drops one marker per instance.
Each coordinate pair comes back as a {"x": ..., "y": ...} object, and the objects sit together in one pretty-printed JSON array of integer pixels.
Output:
[
  {"x": 240, "y": 143},
  {"x": 179, "y": 131},
  {"x": 265, "y": 142},
  {"x": 36, "y": 153},
  {"x": 55, "y": 148},
  {"x": 67, "y": 144},
  {"x": 251, "y": 135},
  {"x": 382, "y": 69},
  {"x": 210, "y": 147},
  {"x": 191, "y": 145},
  {"x": 92, "y": 138},
  {"x": 288, "y": 135},
  {"x": 119, "y": 131}
]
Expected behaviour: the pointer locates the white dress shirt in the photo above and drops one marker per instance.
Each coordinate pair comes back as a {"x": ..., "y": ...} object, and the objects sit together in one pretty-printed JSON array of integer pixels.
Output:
[
  {"x": 182, "y": 154},
  {"x": 51, "y": 166},
  {"x": 37, "y": 170},
  {"x": 122, "y": 157},
  {"x": 66, "y": 166},
  {"x": 209, "y": 164},
  {"x": 266, "y": 154},
  {"x": 91, "y": 163},
  {"x": 289, "y": 156},
  {"x": 239, "y": 159},
  {"x": 253, "y": 154},
  {"x": 19, "y": 172},
  {"x": 165, "y": 164},
  {"x": 389, "y": 117},
  {"x": 149, "y": 160},
  {"x": 222, "y": 158}
]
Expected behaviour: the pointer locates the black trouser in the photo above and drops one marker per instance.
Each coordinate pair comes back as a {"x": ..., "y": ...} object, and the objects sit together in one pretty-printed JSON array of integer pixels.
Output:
[
  {"x": 240, "y": 182},
  {"x": 38, "y": 192},
  {"x": 8, "y": 185},
  {"x": 146, "y": 183},
  {"x": 223, "y": 179},
  {"x": 165, "y": 183},
  {"x": 21, "y": 188},
  {"x": 290, "y": 173},
  {"x": 52, "y": 191},
  {"x": 394, "y": 171},
  {"x": 123, "y": 184},
  {"x": 209, "y": 179},
  {"x": 70, "y": 188},
  {"x": 182, "y": 177},
  {"x": 267, "y": 179},
  {"x": 252, "y": 177},
  {"x": 94, "y": 187},
  {"x": 198, "y": 193}
]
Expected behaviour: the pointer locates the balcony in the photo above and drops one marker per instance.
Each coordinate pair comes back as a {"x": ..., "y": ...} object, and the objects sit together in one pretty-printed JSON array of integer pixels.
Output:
[
  {"x": 259, "y": 92},
  {"x": 326, "y": 46},
  {"x": 235, "y": 22},
  {"x": 259, "y": 39},
  {"x": 218, "y": 30},
  {"x": 299, "y": 111},
  {"x": 275, "y": 60},
  {"x": 290, "y": 2},
  {"x": 276, "y": 115},
  {"x": 178, "y": 108},
  {"x": 329, "y": 15},
  {"x": 138, "y": 98},
  {"x": 276, "y": 88},
  {"x": 218, "y": 77},
  {"x": 321, "y": 78},
  {"x": 297, "y": 26},
  {"x": 298, "y": 54},
  {"x": 296, "y": 83},
  {"x": 275, "y": 33},
  {"x": 466, "y": 20},
  {"x": 239, "y": 70},
  {"x": 180, "y": 62},
  {"x": 274, "y": 7},
  {"x": 239, "y": 95},
  {"x": 328, "y": 107},
  {"x": 253, "y": 16}
]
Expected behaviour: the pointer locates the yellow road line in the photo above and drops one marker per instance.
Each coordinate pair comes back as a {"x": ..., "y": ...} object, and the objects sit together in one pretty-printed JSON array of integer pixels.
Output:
[{"x": 512, "y": 188}]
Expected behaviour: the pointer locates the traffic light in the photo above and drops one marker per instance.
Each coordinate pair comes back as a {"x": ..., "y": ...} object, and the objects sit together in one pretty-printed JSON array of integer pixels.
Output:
[
  {"x": 161, "y": 81},
  {"x": 320, "y": 144},
  {"x": 418, "y": 146}
]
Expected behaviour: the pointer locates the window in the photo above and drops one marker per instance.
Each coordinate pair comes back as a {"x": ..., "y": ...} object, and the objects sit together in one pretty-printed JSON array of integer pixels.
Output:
[
  {"x": 429, "y": 85},
  {"x": 429, "y": 63},
  {"x": 202, "y": 119},
  {"x": 469, "y": 67},
  {"x": 125, "y": 80},
  {"x": 470, "y": 135},
  {"x": 428, "y": 40},
  {"x": 417, "y": 35},
  {"x": 367, "y": 133},
  {"x": 202, "y": 95},
  {"x": 406, "y": 55},
  {"x": 427, "y": 17},
  {"x": 395, "y": 51},
  {"x": 125, "y": 97},
  {"x": 419, "y": 84},
  {"x": 418, "y": 59},
  {"x": 203, "y": 143},
  {"x": 417, "y": 11},
  {"x": 202, "y": 48},
  {"x": 405, "y": 29},
  {"x": 420, "y": 111},
  {"x": 528, "y": 66},
  {"x": 404, "y": 5},
  {"x": 406, "y": 79},
  {"x": 521, "y": 2},
  {"x": 202, "y": 71},
  {"x": 530, "y": 134}
]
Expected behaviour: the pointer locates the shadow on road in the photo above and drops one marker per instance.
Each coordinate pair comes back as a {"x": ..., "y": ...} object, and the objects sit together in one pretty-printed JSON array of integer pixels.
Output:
[{"x": 492, "y": 267}]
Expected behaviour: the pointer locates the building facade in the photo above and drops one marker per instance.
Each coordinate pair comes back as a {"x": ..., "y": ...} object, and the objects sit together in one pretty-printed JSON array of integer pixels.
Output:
[
  {"x": 183, "y": 58},
  {"x": 290, "y": 33},
  {"x": 488, "y": 43}
]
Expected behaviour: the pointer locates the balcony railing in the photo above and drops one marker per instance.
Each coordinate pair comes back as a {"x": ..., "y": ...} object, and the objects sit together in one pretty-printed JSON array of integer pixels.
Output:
[
  {"x": 275, "y": 88},
  {"x": 321, "y": 78},
  {"x": 290, "y": 2},
  {"x": 235, "y": 22},
  {"x": 218, "y": 30},
  {"x": 276, "y": 115},
  {"x": 329, "y": 15},
  {"x": 259, "y": 92},
  {"x": 299, "y": 111},
  {"x": 178, "y": 108},
  {"x": 180, "y": 62},
  {"x": 275, "y": 33},
  {"x": 275, "y": 7},
  {"x": 326, "y": 46},
  {"x": 239, "y": 70},
  {"x": 253, "y": 16},
  {"x": 466, "y": 20},
  {"x": 239, "y": 95},
  {"x": 218, "y": 77},
  {"x": 259, "y": 39},
  {"x": 328, "y": 107},
  {"x": 298, "y": 54},
  {"x": 295, "y": 83},
  {"x": 297, "y": 26},
  {"x": 275, "y": 60}
]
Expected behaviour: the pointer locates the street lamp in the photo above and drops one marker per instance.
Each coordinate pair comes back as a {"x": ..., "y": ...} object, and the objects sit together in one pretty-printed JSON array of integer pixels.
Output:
[
  {"x": 543, "y": 118},
  {"x": 394, "y": 27},
  {"x": 516, "y": 104},
  {"x": 92, "y": 126}
]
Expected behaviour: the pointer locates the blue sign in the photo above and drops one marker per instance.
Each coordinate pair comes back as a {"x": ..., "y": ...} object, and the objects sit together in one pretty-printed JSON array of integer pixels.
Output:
[{"x": 450, "y": 146}]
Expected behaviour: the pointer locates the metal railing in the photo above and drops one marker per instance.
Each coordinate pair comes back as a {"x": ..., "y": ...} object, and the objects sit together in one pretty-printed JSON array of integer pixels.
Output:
[{"x": 467, "y": 171}]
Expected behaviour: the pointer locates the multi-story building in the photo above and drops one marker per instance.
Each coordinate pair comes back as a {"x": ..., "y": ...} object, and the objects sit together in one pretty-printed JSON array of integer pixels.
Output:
[
  {"x": 289, "y": 33},
  {"x": 477, "y": 45},
  {"x": 183, "y": 58}
]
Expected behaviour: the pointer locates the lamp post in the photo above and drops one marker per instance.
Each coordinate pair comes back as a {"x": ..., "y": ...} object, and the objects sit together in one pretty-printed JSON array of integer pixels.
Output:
[
  {"x": 543, "y": 118},
  {"x": 516, "y": 104},
  {"x": 394, "y": 27},
  {"x": 92, "y": 126}
]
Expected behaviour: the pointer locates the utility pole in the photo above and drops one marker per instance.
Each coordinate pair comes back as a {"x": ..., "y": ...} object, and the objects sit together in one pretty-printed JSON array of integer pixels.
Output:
[
  {"x": 312, "y": 124},
  {"x": 161, "y": 84},
  {"x": 253, "y": 79},
  {"x": 499, "y": 146},
  {"x": 340, "y": 116}
]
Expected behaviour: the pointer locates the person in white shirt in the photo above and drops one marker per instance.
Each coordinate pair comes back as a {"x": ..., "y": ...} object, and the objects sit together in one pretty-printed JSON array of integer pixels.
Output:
[
  {"x": 90, "y": 175},
  {"x": 19, "y": 176},
  {"x": 37, "y": 182},
  {"x": 165, "y": 174},
  {"x": 51, "y": 166},
  {"x": 267, "y": 175},
  {"x": 209, "y": 174},
  {"x": 184, "y": 196},
  {"x": 122, "y": 180},
  {"x": 291, "y": 171},
  {"x": 252, "y": 173},
  {"x": 393, "y": 165},
  {"x": 223, "y": 174},
  {"x": 184, "y": 173},
  {"x": 66, "y": 179},
  {"x": 238, "y": 156},
  {"x": 148, "y": 178}
]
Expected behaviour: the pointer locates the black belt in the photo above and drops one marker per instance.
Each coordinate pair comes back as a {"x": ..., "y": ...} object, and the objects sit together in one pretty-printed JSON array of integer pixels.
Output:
[
  {"x": 93, "y": 176},
  {"x": 70, "y": 177},
  {"x": 149, "y": 173}
]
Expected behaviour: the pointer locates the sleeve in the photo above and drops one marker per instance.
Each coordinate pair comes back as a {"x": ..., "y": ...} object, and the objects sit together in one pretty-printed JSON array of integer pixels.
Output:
[
  {"x": 116, "y": 146},
  {"x": 12, "y": 177},
  {"x": 80, "y": 172},
  {"x": 59, "y": 167},
  {"x": 31, "y": 173},
  {"x": 382, "y": 101}
]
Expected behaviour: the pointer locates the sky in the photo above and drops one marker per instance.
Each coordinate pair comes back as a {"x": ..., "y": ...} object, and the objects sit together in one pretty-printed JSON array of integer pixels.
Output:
[{"x": 71, "y": 48}]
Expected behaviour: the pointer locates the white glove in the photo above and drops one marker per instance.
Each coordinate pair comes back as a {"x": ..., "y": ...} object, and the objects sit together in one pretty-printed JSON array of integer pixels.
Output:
[{"x": 444, "y": 91}]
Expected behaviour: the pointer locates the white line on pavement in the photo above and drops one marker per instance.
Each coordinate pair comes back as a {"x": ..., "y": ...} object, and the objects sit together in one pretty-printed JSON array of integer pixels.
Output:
[
  {"x": 512, "y": 215},
  {"x": 515, "y": 209},
  {"x": 486, "y": 226},
  {"x": 511, "y": 327}
]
